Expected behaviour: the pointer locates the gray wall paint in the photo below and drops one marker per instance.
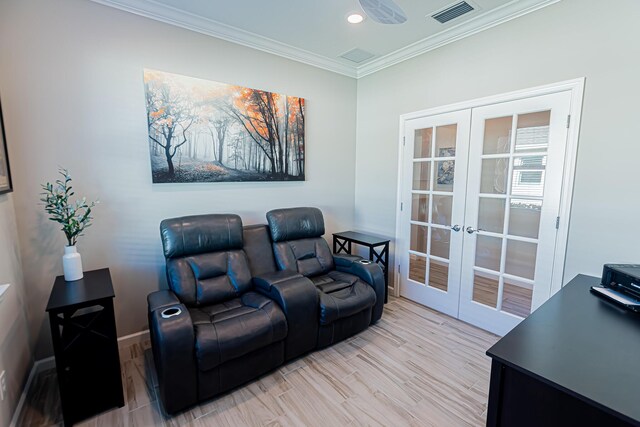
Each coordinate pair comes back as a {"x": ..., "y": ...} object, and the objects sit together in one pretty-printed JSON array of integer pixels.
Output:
[
  {"x": 567, "y": 40},
  {"x": 15, "y": 352},
  {"x": 73, "y": 93}
]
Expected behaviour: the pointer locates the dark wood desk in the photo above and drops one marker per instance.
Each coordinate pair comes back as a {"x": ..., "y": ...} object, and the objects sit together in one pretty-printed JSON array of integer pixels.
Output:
[
  {"x": 573, "y": 362},
  {"x": 342, "y": 243},
  {"x": 85, "y": 344}
]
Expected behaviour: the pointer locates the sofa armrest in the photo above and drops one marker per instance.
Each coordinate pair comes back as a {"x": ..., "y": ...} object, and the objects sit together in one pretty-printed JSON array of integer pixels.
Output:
[
  {"x": 345, "y": 260},
  {"x": 173, "y": 343},
  {"x": 367, "y": 271},
  {"x": 161, "y": 299},
  {"x": 267, "y": 280},
  {"x": 298, "y": 298}
]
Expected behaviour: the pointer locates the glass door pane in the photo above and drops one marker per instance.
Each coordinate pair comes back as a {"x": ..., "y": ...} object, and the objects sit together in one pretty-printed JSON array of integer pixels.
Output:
[{"x": 432, "y": 203}]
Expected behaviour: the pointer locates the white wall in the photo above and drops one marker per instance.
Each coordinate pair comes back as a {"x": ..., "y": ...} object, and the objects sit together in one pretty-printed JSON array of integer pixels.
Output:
[
  {"x": 15, "y": 352},
  {"x": 72, "y": 90},
  {"x": 573, "y": 38}
]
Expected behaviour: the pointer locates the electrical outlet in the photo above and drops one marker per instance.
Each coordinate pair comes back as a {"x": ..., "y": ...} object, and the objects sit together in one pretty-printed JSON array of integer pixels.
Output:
[{"x": 3, "y": 385}]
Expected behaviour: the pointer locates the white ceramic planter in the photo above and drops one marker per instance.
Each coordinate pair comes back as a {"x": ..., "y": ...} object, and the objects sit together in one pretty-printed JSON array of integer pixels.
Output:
[{"x": 72, "y": 264}]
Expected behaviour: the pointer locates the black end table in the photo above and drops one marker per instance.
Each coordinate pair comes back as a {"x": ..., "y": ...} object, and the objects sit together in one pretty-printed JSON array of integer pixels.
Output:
[
  {"x": 83, "y": 330},
  {"x": 342, "y": 243}
]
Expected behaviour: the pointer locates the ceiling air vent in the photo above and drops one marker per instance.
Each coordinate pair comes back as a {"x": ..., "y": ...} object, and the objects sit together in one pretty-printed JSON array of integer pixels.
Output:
[
  {"x": 357, "y": 55},
  {"x": 452, "y": 12}
]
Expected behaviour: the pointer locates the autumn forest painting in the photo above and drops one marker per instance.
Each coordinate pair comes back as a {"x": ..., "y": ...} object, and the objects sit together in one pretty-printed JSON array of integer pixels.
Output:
[{"x": 204, "y": 131}]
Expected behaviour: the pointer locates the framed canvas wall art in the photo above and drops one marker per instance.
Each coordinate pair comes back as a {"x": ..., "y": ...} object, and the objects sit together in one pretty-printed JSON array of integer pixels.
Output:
[{"x": 205, "y": 131}]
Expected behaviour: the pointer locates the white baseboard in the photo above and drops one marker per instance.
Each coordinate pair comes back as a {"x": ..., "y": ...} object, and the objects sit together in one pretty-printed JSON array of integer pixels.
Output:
[
  {"x": 50, "y": 362},
  {"x": 137, "y": 338}
]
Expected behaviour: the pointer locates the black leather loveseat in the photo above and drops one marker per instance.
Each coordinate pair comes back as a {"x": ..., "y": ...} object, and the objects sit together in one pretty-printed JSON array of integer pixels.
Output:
[{"x": 244, "y": 300}]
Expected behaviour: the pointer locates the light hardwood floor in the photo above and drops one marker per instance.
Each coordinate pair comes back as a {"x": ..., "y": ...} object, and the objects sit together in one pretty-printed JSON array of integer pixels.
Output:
[{"x": 415, "y": 367}]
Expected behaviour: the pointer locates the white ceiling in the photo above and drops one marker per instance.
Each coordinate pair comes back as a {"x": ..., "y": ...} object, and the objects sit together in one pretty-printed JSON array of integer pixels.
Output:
[{"x": 316, "y": 31}]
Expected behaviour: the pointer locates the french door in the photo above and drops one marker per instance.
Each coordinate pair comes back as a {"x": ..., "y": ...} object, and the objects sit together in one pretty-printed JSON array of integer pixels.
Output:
[
  {"x": 483, "y": 191},
  {"x": 437, "y": 147}
]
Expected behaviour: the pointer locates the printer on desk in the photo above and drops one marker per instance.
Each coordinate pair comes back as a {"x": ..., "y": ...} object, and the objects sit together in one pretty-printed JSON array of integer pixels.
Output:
[
  {"x": 621, "y": 285},
  {"x": 622, "y": 277}
]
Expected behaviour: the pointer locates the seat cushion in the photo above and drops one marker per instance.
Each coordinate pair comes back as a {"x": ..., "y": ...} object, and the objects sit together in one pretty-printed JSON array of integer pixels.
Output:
[
  {"x": 342, "y": 295},
  {"x": 309, "y": 257},
  {"x": 236, "y": 327},
  {"x": 211, "y": 278}
]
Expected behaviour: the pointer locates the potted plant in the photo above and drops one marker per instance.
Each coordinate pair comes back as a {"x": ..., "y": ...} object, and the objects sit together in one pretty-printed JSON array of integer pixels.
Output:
[{"x": 75, "y": 217}]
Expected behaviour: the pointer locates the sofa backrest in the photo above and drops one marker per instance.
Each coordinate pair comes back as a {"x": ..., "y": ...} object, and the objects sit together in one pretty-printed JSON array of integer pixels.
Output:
[
  {"x": 257, "y": 246},
  {"x": 297, "y": 241},
  {"x": 205, "y": 260}
]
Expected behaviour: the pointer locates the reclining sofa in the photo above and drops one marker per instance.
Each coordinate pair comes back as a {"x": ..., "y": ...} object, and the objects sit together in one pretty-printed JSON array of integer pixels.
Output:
[{"x": 244, "y": 300}]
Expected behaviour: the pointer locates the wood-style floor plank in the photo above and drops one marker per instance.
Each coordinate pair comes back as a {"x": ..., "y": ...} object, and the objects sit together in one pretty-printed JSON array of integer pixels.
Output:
[{"x": 416, "y": 367}]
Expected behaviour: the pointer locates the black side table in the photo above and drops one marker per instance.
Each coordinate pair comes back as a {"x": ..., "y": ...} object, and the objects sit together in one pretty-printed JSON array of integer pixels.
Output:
[
  {"x": 342, "y": 243},
  {"x": 83, "y": 330}
]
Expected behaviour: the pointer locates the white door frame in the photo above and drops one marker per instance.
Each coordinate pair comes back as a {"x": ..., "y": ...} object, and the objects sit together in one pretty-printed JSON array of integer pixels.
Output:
[{"x": 576, "y": 87}]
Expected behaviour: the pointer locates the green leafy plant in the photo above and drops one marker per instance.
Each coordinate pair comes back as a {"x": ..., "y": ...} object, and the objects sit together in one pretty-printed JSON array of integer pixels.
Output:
[{"x": 75, "y": 217}]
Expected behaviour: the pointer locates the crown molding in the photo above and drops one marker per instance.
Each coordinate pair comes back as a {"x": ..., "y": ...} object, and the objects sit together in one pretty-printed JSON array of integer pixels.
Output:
[
  {"x": 173, "y": 16},
  {"x": 170, "y": 15},
  {"x": 492, "y": 18}
]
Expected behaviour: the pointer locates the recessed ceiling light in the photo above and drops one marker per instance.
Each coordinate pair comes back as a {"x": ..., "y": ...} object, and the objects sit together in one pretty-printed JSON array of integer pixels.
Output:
[{"x": 355, "y": 18}]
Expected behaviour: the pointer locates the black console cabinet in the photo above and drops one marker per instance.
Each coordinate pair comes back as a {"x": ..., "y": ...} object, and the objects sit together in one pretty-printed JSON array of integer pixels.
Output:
[
  {"x": 83, "y": 331},
  {"x": 573, "y": 362}
]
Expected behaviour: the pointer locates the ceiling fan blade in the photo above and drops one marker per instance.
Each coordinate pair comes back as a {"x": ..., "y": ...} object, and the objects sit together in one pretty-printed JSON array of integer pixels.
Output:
[{"x": 383, "y": 11}]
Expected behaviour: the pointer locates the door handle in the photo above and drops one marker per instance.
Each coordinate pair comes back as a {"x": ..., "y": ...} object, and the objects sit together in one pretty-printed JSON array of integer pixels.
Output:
[
  {"x": 472, "y": 230},
  {"x": 456, "y": 228}
]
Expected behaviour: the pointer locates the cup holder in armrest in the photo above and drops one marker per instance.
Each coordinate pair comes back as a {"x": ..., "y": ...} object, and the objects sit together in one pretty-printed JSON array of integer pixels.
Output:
[
  {"x": 170, "y": 312},
  {"x": 364, "y": 261}
]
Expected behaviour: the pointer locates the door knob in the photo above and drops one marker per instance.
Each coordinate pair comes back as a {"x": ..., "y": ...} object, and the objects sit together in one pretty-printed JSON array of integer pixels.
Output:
[
  {"x": 456, "y": 228},
  {"x": 472, "y": 230}
]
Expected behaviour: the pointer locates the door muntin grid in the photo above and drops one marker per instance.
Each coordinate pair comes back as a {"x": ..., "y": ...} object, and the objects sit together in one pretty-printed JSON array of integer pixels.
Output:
[{"x": 434, "y": 162}]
